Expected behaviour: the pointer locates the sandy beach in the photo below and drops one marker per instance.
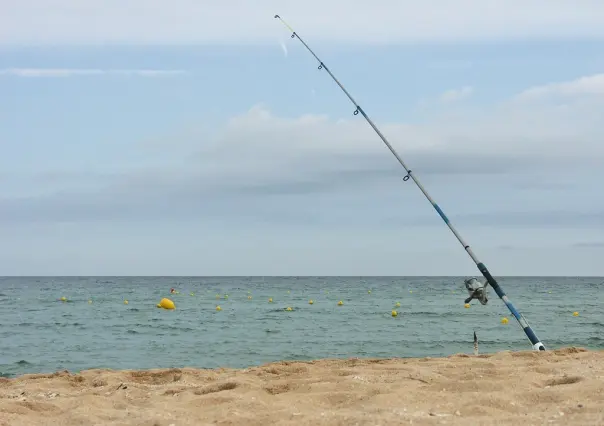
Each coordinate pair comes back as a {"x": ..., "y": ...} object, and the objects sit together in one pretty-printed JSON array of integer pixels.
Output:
[{"x": 557, "y": 387}]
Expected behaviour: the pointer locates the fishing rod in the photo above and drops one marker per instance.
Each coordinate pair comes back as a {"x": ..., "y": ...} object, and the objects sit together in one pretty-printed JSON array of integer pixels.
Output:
[{"x": 476, "y": 290}]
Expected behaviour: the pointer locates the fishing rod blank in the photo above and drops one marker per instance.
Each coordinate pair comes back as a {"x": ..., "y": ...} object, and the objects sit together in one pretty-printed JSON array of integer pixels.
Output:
[{"x": 537, "y": 345}]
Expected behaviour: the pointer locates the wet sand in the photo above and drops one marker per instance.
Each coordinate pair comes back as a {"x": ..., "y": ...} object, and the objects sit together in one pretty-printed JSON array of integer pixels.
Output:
[{"x": 562, "y": 387}]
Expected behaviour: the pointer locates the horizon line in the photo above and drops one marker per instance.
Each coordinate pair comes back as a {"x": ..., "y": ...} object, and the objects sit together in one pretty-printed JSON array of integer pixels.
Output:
[{"x": 294, "y": 276}]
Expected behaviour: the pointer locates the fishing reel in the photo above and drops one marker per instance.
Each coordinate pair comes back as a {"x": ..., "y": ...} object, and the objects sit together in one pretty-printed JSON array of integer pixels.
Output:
[{"x": 476, "y": 290}]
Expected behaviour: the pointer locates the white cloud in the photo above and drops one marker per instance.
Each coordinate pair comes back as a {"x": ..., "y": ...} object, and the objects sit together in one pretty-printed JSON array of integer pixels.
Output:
[
  {"x": 588, "y": 85},
  {"x": 73, "y": 72},
  {"x": 454, "y": 95},
  {"x": 500, "y": 137},
  {"x": 217, "y": 195},
  {"x": 260, "y": 152},
  {"x": 270, "y": 184},
  {"x": 241, "y": 21}
]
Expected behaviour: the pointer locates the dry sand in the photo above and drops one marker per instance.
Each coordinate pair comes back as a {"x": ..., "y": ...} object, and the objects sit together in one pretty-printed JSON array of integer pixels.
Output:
[{"x": 508, "y": 388}]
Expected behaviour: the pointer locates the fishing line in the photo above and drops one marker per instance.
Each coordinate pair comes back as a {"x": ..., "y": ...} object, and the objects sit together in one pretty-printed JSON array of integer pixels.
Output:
[{"x": 474, "y": 287}]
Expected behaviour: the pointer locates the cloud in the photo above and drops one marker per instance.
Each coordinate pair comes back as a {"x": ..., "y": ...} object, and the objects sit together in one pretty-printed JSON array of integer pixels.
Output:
[
  {"x": 456, "y": 94},
  {"x": 239, "y": 21},
  {"x": 516, "y": 216},
  {"x": 262, "y": 165},
  {"x": 76, "y": 72},
  {"x": 588, "y": 244},
  {"x": 588, "y": 85}
]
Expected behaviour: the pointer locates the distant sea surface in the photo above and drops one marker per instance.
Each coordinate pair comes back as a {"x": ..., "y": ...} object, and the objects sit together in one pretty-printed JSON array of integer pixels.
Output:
[{"x": 41, "y": 333}]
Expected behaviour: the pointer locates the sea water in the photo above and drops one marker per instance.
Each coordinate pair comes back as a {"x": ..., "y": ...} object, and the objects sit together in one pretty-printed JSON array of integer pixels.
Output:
[{"x": 41, "y": 333}]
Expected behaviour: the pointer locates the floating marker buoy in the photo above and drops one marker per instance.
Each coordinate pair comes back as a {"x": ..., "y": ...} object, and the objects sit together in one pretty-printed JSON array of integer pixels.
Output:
[
  {"x": 125, "y": 302},
  {"x": 288, "y": 308},
  {"x": 287, "y": 291},
  {"x": 63, "y": 299},
  {"x": 575, "y": 314},
  {"x": 368, "y": 291},
  {"x": 504, "y": 320},
  {"x": 398, "y": 304},
  {"x": 410, "y": 291},
  {"x": 270, "y": 300},
  {"x": 218, "y": 308},
  {"x": 467, "y": 305},
  {"x": 166, "y": 304},
  {"x": 226, "y": 296},
  {"x": 89, "y": 302},
  {"x": 340, "y": 303},
  {"x": 192, "y": 294},
  {"x": 249, "y": 298},
  {"x": 394, "y": 313},
  {"x": 310, "y": 302}
]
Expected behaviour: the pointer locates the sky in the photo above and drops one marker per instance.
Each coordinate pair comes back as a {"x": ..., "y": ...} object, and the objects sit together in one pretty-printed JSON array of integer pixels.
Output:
[{"x": 197, "y": 138}]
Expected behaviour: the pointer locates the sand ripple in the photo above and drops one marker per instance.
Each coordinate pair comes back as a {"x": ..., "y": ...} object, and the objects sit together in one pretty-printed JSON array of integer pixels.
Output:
[{"x": 559, "y": 387}]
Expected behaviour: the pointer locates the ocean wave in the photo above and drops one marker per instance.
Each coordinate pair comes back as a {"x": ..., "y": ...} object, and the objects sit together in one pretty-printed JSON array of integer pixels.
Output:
[{"x": 67, "y": 324}]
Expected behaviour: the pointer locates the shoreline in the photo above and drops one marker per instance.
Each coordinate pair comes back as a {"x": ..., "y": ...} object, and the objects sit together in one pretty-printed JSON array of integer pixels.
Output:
[{"x": 563, "y": 386}]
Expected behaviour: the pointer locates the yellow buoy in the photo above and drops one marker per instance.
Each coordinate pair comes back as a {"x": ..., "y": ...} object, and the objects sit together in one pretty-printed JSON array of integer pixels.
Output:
[
  {"x": 410, "y": 291},
  {"x": 310, "y": 302},
  {"x": 249, "y": 298},
  {"x": 467, "y": 305},
  {"x": 504, "y": 320},
  {"x": 340, "y": 303},
  {"x": 289, "y": 308},
  {"x": 166, "y": 304},
  {"x": 398, "y": 304},
  {"x": 63, "y": 299},
  {"x": 226, "y": 296},
  {"x": 368, "y": 291},
  {"x": 192, "y": 294},
  {"x": 158, "y": 305},
  {"x": 89, "y": 302},
  {"x": 575, "y": 314},
  {"x": 125, "y": 302},
  {"x": 394, "y": 313},
  {"x": 218, "y": 308},
  {"x": 270, "y": 300}
]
